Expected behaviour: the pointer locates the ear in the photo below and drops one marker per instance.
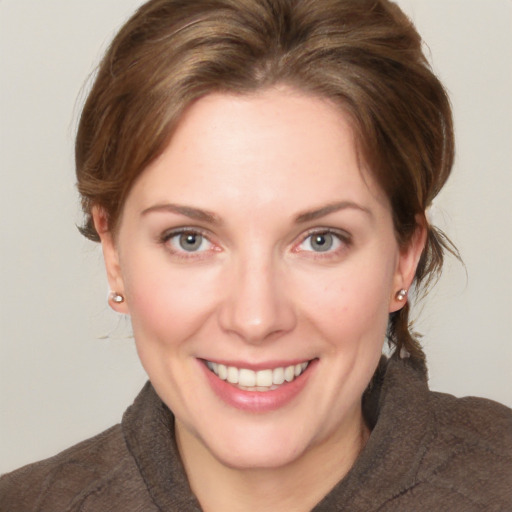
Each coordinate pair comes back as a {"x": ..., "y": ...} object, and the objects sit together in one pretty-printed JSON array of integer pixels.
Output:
[
  {"x": 408, "y": 260},
  {"x": 111, "y": 258}
]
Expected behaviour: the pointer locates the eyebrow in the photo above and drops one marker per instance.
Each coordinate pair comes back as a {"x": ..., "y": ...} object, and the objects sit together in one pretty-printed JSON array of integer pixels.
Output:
[
  {"x": 187, "y": 211},
  {"x": 330, "y": 208},
  {"x": 212, "y": 218}
]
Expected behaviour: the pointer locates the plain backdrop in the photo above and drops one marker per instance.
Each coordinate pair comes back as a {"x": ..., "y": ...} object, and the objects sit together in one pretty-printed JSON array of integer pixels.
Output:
[{"x": 68, "y": 366}]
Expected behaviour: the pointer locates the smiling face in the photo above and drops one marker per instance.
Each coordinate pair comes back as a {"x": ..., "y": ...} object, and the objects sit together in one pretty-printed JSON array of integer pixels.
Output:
[{"x": 259, "y": 265}]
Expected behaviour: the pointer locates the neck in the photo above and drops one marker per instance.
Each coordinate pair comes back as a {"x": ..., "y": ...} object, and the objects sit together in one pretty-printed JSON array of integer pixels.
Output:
[{"x": 295, "y": 487}]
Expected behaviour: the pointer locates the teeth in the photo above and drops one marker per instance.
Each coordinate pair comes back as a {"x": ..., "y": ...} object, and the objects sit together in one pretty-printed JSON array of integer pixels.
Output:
[
  {"x": 264, "y": 378},
  {"x": 232, "y": 375},
  {"x": 261, "y": 379},
  {"x": 246, "y": 378},
  {"x": 278, "y": 376}
]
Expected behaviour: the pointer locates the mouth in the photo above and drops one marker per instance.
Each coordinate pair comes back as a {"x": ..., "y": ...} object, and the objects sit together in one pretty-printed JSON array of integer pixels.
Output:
[{"x": 261, "y": 380}]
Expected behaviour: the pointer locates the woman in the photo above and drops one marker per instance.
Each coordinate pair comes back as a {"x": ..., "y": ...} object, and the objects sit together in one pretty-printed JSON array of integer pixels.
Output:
[{"x": 258, "y": 175}]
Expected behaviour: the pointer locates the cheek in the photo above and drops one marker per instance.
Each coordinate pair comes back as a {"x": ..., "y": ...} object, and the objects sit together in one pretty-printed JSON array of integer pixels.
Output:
[
  {"x": 167, "y": 304},
  {"x": 350, "y": 303}
]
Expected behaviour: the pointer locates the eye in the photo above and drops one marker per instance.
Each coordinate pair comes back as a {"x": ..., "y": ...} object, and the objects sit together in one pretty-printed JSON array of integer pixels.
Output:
[
  {"x": 191, "y": 242},
  {"x": 323, "y": 242},
  {"x": 187, "y": 241}
]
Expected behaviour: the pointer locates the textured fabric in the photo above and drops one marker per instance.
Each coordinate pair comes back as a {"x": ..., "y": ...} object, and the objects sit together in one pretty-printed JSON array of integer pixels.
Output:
[{"x": 427, "y": 451}]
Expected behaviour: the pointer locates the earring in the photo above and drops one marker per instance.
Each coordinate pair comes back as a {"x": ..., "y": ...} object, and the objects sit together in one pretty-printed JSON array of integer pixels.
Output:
[
  {"x": 116, "y": 297},
  {"x": 401, "y": 294}
]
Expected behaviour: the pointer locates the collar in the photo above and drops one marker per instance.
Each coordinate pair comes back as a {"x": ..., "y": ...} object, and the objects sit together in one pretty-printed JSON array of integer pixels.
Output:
[{"x": 395, "y": 406}]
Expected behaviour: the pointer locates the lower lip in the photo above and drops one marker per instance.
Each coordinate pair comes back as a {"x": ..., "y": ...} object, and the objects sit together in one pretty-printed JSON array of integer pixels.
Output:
[{"x": 258, "y": 401}]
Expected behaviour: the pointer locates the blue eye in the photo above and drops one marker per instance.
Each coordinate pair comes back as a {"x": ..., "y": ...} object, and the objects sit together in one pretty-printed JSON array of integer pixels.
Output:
[
  {"x": 188, "y": 241},
  {"x": 323, "y": 241}
]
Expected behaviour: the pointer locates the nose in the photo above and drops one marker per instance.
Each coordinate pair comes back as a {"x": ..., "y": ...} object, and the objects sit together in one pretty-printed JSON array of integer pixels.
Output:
[{"x": 257, "y": 305}]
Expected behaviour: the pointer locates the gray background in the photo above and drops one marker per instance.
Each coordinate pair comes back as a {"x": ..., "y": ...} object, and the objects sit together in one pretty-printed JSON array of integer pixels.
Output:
[{"x": 68, "y": 367}]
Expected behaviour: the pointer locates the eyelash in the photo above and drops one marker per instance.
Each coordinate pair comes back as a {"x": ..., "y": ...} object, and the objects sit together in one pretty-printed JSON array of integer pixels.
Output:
[
  {"x": 167, "y": 236},
  {"x": 342, "y": 237}
]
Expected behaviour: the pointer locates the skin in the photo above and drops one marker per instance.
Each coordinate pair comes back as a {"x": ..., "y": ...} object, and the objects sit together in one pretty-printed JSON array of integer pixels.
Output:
[{"x": 256, "y": 290}]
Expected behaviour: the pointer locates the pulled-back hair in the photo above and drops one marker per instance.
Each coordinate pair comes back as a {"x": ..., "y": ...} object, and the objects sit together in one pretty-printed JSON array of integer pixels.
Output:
[{"x": 364, "y": 55}]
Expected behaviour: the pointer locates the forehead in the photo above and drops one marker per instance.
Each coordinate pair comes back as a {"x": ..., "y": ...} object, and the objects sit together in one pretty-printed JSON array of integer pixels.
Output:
[{"x": 259, "y": 148}]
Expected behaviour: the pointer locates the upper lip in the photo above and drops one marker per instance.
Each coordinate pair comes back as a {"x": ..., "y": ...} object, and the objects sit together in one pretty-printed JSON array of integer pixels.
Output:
[{"x": 266, "y": 365}]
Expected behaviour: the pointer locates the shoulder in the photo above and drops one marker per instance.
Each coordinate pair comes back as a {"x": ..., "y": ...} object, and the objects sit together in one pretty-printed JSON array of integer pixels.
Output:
[
  {"x": 473, "y": 426},
  {"x": 475, "y": 419},
  {"x": 79, "y": 478},
  {"x": 470, "y": 453},
  {"x": 443, "y": 452}
]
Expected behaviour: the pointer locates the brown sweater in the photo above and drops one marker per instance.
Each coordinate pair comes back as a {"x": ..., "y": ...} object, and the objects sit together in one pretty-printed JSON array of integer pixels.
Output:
[{"x": 427, "y": 452}]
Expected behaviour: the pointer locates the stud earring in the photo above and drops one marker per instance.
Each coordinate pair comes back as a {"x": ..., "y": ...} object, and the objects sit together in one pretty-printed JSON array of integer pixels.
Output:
[
  {"x": 116, "y": 297},
  {"x": 401, "y": 294}
]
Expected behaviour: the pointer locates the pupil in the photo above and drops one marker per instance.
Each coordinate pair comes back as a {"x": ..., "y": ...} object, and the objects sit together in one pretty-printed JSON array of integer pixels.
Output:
[
  {"x": 190, "y": 242},
  {"x": 322, "y": 243}
]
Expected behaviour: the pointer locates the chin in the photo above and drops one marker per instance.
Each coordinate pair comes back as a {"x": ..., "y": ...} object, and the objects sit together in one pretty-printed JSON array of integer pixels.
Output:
[
  {"x": 273, "y": 455},
  {"x": 267, "y": 444}
]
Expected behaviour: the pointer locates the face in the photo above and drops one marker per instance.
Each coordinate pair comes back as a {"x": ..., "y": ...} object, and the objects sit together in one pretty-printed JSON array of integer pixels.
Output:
[{"x": 259, "y": 265}]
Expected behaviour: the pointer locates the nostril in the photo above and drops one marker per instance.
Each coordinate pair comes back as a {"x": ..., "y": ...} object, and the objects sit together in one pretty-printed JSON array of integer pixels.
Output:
[
  {"x": 256, "y": 306},
  {"x": 256, "y": 324}
]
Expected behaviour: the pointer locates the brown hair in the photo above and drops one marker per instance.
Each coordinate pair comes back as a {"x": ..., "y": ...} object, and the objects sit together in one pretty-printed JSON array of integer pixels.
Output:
[{"x": 362, "y": 54}]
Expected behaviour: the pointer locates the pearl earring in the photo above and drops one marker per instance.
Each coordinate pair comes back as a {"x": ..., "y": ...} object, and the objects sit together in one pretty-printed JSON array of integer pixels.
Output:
[
  {"x": 401, "y": 294},
  {"x": 116, "y": 298}
]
